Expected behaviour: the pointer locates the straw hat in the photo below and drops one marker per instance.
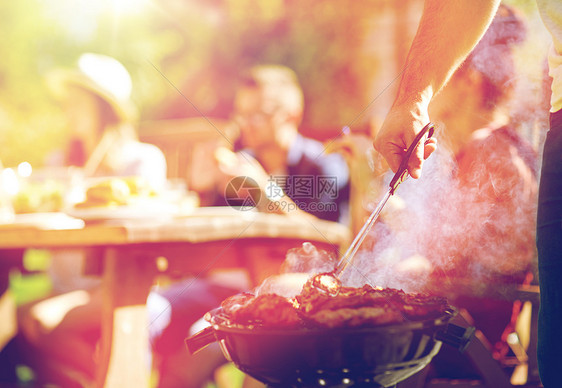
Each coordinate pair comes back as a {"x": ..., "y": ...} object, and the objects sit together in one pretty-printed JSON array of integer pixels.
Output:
[{"x": 102, "y": 75}]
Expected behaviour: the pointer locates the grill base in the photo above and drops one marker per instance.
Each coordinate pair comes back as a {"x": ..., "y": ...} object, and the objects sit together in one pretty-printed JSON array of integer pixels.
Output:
[{"x": 386, "y": 376}]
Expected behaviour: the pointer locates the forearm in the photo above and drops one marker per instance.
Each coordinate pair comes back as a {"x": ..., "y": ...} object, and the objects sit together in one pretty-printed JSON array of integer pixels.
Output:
[{"x": 448, "y": 31}]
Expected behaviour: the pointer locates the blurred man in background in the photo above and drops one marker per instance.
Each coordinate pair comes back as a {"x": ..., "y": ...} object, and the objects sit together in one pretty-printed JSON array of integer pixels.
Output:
[{"x": 268, "y": 110}]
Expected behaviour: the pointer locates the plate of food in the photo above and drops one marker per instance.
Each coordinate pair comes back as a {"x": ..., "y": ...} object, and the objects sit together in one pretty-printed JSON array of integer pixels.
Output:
[{"x": 121, "y": 199}]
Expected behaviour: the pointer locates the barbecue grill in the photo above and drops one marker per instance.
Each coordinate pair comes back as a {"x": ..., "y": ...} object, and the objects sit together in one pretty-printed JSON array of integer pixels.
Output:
[{"x": 379, "y": 356}]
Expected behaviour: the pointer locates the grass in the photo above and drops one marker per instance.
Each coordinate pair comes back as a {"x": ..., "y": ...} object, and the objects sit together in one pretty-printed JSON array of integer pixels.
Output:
[
  {"x": 36, "y": 284},
  {"x": 227, "y": 376}
]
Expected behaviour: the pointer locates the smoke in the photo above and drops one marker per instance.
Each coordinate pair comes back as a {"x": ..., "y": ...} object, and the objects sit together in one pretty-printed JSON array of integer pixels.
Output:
[
  {"x": 300, "y": 264},
  {"x": 467, "y": 219},
  {"x": 512, "y": 59},
  {"x": 308, "y": 259},
  {"x": 471, "y": 220},
  {"x": 470, "y": 217},
  {"x": 394, "y": 259}
]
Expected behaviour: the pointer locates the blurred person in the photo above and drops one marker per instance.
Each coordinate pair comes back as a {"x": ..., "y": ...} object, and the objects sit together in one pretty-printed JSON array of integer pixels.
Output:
[
  {"x": 447, "y": 33},
  {"x": 268, "y": 109},
  {"x": 8, "y": 262},
  {"x": 480, "y": 190},
  {"x": 481, "y": 238},
  {"x": 60, "y": 332},
  {"x": 103, "y": 142},
  {"x": 96, "y": 100},
  {"x": 496, "y": 167}
]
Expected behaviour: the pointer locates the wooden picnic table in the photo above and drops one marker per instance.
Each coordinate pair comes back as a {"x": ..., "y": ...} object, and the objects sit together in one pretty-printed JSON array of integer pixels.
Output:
[{"x": 126, "y": 252}]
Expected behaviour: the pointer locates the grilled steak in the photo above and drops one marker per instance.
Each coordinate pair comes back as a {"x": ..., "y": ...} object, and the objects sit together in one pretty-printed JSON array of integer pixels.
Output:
[
  {"x": 352, "y": 307},
  {"x": 267, "y": 310}
]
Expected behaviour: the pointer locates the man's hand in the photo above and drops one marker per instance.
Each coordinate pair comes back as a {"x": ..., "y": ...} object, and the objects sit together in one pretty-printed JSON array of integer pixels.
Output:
[
  {"x": 397, "y": 133},
  {"x": 447, "y": 33}
]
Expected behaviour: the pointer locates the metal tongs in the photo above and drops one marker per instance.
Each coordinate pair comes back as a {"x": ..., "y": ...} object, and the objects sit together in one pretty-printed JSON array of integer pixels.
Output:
[{"x": 329, "y": 282}]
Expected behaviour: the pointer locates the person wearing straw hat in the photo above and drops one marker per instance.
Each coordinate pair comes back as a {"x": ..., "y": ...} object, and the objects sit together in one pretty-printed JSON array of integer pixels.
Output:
[{"x": 96, "y": 97}]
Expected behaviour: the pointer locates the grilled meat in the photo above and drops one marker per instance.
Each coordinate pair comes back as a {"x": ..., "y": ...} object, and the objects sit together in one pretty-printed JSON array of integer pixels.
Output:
[
  {"x": 352, "y": 307},
  {"x": 420, "y": 306},
  {"x": 231, "y": 304},
  {"x": 267, "y": 310}
]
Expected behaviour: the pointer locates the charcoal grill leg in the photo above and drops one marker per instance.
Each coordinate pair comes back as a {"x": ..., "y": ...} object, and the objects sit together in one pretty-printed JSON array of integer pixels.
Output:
[{"x": 492, "y": 373}]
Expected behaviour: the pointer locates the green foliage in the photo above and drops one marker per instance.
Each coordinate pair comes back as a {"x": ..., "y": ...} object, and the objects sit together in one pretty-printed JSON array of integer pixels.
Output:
[
  {"x": 40, "y": 35},
  {"x": 177, "y": 51},
  {"x": 322, "y": 41},
  {"x": 185, "y": 56}
]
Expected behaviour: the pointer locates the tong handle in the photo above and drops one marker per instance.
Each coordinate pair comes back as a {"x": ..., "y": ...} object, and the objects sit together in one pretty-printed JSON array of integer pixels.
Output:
[
  {"x": 400, "y": 176},
  {"x": 402, "y": 172}
]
